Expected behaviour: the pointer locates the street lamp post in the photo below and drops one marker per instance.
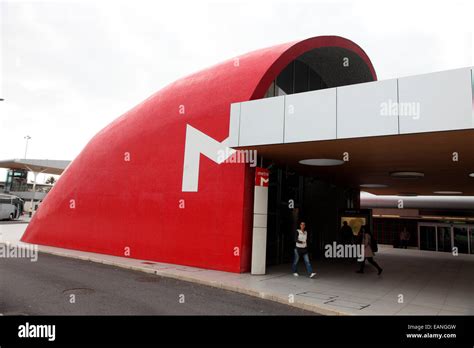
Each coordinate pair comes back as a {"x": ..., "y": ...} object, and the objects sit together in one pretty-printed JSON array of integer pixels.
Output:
[
  {"x": 35, "y": 176},
  {"x": 26, "y": 146}
]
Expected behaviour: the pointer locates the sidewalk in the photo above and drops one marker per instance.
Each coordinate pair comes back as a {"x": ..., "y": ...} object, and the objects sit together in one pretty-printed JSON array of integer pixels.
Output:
[{"x": 430, "y": 283}]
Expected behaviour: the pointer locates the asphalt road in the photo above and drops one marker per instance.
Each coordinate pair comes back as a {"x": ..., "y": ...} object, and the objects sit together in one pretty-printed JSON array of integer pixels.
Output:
[{"x": 45, "y": 288}]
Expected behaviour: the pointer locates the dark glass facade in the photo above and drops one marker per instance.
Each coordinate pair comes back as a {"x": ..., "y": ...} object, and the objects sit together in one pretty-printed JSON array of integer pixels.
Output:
[
  {"x": 297, "y": 77},
  {"x": 16, "y": 180},
  {"x": 387, "y": 231}
]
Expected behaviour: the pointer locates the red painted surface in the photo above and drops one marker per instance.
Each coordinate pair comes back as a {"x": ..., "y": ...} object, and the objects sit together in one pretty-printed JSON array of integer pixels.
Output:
[{"x": 135, "y": 205}]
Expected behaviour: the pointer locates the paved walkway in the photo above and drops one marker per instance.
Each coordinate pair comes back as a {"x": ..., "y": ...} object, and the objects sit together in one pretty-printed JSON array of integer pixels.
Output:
[{"x": 413, "y": 282}]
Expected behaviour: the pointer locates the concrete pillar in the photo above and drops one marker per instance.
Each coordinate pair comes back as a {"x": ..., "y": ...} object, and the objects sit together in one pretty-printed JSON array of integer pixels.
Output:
[{"x": 259, "y": 235}]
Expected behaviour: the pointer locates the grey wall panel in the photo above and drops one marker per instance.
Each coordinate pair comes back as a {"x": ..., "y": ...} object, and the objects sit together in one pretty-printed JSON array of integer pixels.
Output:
[
  {"x": 472, "y": 95},
  {"x": 443, "y": 101},
  {"x": 234, "y": 125},
  {"x": 262, "y": 121},
  {"x": 367, "y": 109},
  {"x": 440, "y": 101},
  {"x": 310, "y": 116}
]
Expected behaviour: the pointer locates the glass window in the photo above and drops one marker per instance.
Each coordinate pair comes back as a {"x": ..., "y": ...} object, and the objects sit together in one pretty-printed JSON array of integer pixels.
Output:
[
  {"x": 427, "y": 238},
  {"x": 285, "y": 80},
  {"x": 471, "y": 237},
  {"x": 271, "y": 91},
  {"x": 444, "y": 238},
  {"x": 460, "y": 239},
  {"x": 315, "y": 81},
  {"x": 296, "y": 77},
  {"x": 16, "y": 180},
  {"x": 301, "y": 77}
]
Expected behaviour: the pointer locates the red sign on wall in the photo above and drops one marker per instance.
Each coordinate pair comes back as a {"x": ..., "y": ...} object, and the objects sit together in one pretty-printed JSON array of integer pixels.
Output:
[{"x": 262, "y": 177}]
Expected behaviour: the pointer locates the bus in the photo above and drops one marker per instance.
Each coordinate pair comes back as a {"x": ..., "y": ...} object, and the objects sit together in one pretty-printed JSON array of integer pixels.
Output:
[{"x": 11, "y": 207}]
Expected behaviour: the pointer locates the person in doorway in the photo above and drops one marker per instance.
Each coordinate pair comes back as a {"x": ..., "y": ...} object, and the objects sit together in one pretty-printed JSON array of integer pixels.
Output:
[
  {"x": 368, "y": 253},
  {"x": 301, "y": 250},
  {"x": 358, "y": 237},
  {"x": 404, "y": 238},
  {"x": 346, "y": 233}
]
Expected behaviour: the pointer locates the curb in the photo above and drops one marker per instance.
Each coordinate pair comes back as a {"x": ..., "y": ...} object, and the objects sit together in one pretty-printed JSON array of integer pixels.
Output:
[{"x": 214, "y": 284}]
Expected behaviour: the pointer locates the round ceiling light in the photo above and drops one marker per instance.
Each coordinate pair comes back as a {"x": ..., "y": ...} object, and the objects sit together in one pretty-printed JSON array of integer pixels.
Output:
[
  {"x": 373, "y": 185},
  {"x": 448, "y": 192},
  {"x": 471, "y": 175},
  {"x": 322, "y": 162},
  {"x": 407, "y": 175}
]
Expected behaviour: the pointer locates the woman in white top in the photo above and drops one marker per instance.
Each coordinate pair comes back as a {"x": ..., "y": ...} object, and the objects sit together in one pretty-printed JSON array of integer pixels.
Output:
[{"x": 301, "y": 249}]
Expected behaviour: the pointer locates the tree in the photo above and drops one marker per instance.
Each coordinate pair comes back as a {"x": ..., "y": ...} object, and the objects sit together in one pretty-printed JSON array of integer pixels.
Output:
[{"x": 51, "y": 180}]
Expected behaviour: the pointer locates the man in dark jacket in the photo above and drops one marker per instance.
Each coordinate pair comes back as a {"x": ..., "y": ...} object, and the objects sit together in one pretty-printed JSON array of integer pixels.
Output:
[{"x": 346, "y": 233}]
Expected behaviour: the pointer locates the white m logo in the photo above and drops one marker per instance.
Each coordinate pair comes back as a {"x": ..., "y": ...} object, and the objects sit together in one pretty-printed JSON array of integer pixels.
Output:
[{"x": 198, "y": 143}]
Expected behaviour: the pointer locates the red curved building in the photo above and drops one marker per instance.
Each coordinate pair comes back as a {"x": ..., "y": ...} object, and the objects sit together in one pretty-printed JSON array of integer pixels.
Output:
[{"x": 126, "y": 195}]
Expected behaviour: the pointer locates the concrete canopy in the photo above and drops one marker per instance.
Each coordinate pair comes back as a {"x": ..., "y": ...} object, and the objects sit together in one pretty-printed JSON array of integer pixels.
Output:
[
  {"x": 55, "y": 167},
  {"x": 407, "y": 136},
  {"x": 372, "y": 159}
]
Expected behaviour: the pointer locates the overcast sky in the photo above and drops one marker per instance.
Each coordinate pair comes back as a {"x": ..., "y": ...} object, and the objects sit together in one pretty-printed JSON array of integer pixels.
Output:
[{"x": 71, "y": 67}]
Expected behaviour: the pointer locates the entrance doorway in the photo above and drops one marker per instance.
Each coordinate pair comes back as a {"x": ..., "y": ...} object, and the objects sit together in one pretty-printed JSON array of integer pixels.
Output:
[
  {"x": 285, "y": 197},
  {"x": 294, "y": 197},
  {"x": 445, "y": 237}
]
